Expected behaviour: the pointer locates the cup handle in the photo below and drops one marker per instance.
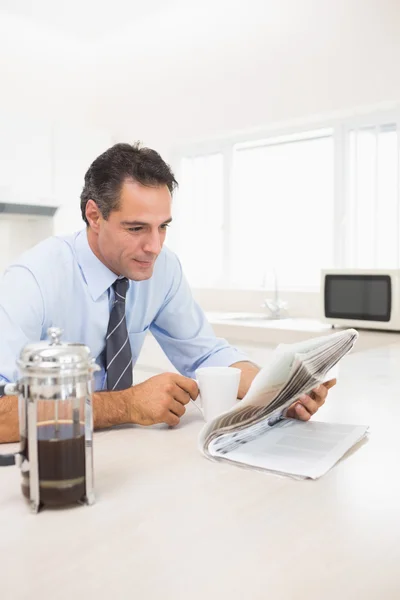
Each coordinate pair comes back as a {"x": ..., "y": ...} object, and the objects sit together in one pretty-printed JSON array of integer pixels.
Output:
[
  {"x": 198, "y": 402},
  {"x": 7, "y": 460}
]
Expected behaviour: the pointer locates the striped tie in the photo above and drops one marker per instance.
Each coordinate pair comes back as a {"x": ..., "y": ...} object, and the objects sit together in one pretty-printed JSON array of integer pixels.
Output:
[{"x": 118, "y": 348}]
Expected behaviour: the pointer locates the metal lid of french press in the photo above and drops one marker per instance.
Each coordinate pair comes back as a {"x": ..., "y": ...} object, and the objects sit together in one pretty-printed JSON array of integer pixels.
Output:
[{"x": 56, "y": 356}]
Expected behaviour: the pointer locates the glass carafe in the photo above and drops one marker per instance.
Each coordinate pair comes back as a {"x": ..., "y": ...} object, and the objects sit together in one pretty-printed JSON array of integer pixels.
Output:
[{"x": 56, "y": 424}]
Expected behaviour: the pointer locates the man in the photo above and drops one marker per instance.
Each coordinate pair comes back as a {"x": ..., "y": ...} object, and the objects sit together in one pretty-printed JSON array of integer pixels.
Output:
[{"x": 109, "y": 284}]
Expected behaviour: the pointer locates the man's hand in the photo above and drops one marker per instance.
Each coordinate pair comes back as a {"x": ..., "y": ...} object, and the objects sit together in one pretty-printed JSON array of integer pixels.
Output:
[
  {"x": 249, "y": 371},
  {"x": 161, "y": 399},
  {"x": 307, "y": 405}
]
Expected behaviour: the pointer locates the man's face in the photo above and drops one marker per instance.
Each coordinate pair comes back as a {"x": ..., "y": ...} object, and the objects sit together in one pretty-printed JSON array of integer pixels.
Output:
[{"x": 130, "y": 240}]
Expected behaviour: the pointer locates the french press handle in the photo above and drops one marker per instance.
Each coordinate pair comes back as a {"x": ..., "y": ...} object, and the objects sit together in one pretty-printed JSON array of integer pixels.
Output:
[{"x": 7, "y": 460}]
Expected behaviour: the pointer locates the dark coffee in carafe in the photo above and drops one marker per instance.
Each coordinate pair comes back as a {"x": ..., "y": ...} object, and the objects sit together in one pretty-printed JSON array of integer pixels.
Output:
[{"x": 61, "y": 460}]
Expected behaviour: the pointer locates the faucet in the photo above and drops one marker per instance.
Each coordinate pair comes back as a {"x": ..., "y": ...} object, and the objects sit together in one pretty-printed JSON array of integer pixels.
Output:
[{"x": 277, "y": 307}]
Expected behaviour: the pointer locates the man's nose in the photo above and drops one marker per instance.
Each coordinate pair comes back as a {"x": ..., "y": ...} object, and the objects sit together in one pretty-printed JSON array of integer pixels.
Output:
[{"x": 153, "y": 243}]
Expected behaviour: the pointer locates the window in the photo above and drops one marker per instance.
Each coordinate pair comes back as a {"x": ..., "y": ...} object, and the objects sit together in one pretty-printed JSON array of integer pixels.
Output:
[
  {"x": 249, "y": 214},
  {"x": 197, "y": 232},
  {"x": 282, "y": 200},
  {"x": 372, "y": 215}
]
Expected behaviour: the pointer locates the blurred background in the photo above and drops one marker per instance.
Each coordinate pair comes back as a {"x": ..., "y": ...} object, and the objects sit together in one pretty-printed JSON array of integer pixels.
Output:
[{"x": 280, "y": 117}]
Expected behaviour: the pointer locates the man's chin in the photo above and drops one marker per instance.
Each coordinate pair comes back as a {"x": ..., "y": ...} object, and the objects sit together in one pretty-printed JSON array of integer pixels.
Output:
[{"x": 141, "y": 274}]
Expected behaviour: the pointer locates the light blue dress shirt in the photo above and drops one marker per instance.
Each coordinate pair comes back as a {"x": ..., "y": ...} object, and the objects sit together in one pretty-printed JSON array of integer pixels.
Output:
[{"x": 61, "y": 283}]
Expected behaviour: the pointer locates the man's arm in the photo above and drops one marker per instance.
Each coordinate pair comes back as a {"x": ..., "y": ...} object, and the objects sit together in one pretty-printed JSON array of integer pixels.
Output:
[
  {"x": 159, "y": 399},
  {"x": 9, "y": 428},
  {"x": 119, "y": 408},
  {"x": 109, "y": 408},
  {"x": 182, "y": 330}
]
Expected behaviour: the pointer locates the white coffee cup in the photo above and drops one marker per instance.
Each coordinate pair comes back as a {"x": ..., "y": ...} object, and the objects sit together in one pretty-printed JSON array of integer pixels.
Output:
[{"x": 218, "y": 390}]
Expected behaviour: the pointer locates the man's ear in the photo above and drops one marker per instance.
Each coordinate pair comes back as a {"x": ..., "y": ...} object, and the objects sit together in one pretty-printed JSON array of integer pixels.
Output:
[{"x": 93, "y": 215}]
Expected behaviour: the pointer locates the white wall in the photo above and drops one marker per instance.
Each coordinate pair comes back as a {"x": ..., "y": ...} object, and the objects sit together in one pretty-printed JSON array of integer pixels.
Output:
[
  {"x": 192, "y": 71},
  {"x": 198, "y": 72},
  {"x": 188, "y": 71},
  {"x": 75, "y": 147},
  {"x": 47, "y": 135},
  {"x": 42, "y": 73}
]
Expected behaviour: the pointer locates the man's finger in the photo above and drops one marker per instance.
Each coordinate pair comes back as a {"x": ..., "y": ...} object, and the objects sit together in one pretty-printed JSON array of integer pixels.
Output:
[
  {"x": 177, "y": 408},
  {"x": 301, "y": 412},
  {"x": 171, "y": 419},
  {"x": 180, "y": 395},
  {"x": 297, "y": 411},
  {"x": 309, "y": 404},
  {"x": 188, "y": 385},
  {"x": 329, "y": 384},
  {"x": 319, "y": 394}
]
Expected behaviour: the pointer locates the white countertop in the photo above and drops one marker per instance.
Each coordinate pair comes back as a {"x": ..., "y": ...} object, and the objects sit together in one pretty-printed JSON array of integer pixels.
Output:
[
  {"x": 252, "y": 327},
  {"x": 169, "y": 524}
]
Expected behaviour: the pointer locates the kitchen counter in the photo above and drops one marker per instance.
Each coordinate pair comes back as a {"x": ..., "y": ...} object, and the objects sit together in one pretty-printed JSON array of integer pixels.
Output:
[
  {"x": 169, "y": 524},
  {"x": 254, "y": 328}
]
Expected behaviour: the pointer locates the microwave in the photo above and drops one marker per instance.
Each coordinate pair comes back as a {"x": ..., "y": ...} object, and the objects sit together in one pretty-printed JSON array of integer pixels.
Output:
[{"x": 361, "y": 298}]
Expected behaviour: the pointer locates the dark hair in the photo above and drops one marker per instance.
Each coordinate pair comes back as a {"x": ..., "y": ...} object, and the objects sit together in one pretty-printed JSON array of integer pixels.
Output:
[{"x": 107, "y": 173}]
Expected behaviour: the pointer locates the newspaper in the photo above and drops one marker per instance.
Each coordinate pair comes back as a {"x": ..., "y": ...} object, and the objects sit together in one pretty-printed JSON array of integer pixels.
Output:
[{"x": 255, "y": 433}]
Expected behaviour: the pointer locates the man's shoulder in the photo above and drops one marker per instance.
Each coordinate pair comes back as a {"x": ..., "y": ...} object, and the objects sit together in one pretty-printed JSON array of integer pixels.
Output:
[
  {"x": 168, "y": 258},
  {"x": 168, "y": 266}
]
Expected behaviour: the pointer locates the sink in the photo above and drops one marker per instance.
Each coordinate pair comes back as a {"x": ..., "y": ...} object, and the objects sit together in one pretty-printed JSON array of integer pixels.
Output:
[
  {"x": 249, "y": 317},
  {"x": 263, "y": 322}
]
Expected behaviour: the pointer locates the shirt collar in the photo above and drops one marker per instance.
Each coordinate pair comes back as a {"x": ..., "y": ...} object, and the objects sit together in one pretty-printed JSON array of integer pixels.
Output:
[{"x": 97, "y": 276}]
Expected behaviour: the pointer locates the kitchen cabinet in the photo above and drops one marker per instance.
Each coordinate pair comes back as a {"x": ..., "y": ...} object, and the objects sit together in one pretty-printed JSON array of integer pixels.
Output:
[
  {"x": 44, "y": 164},
  {"x": 26, "y": 175}
]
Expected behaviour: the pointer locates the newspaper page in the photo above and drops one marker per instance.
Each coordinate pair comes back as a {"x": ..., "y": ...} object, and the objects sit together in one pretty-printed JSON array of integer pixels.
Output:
[
  {"x": 296, "y": 448},
  {"x": 294, "y": 370}
]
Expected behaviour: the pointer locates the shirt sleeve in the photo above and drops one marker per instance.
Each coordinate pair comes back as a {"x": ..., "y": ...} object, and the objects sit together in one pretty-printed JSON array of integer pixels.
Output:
[
  {"x": 21, "y": 317},
  {"x": 183, "y": 332}
]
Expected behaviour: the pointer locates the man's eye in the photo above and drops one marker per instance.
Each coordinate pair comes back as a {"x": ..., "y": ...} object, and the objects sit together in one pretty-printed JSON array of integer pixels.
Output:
[
  {"x": 135, "y": 229},
  {"x": 165, "y": 226}
]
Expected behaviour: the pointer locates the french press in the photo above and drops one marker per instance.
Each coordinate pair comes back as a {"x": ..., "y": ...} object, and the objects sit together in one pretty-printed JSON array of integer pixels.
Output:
[{"x": 55, "y": 422}]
